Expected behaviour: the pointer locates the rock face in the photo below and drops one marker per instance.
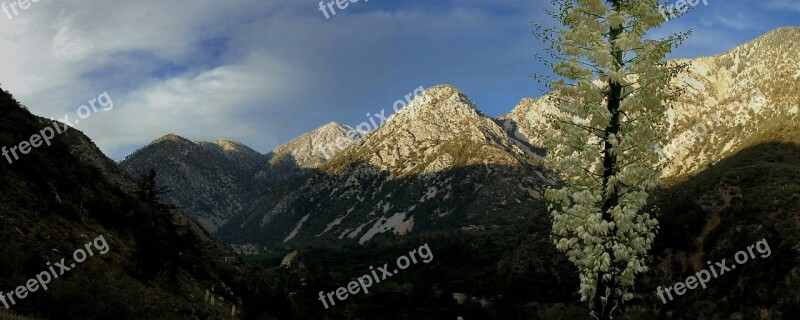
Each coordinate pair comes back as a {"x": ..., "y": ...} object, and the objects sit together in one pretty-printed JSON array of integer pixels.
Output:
[
  {"x": 440, "y": 129},
  {"x": 528, "y": 120},
  {"x": 437, "y": 164},
  {"x": 730, "y": 99},
  {"x": 304, "y": 153},
  {"x": 214, "y": 181},
  {"x": 308, "y": 150},
  {"x": 210, "y": 181}
]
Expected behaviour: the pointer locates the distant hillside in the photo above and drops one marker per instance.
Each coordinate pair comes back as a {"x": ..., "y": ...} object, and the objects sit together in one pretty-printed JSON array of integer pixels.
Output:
[
  {"x": 210, "y": 181},
  {"x": 750, "y": 196}
]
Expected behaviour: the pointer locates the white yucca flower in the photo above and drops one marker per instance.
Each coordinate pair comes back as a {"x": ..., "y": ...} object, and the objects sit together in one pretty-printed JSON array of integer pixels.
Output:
[{"x": 612, "y": 89}]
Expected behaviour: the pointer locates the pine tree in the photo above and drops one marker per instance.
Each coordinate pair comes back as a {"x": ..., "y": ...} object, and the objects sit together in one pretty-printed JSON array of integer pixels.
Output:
[
  {"x": 148, "y": 191},
  {"x": 612, "y": 88}
]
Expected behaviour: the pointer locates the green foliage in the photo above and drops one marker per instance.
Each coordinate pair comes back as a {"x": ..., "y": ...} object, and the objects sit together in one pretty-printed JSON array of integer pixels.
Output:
[
  {"x": 472, "y": 263},
  {"x": 94, "y": 291},
  {"x": 268, "y": 260}
]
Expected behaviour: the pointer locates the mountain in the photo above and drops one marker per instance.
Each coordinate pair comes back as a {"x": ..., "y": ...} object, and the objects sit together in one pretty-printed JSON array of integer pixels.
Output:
[
  {"x": 437, "y": 164},
  {"x": 119, "y": 252},
  {"x": 438, "y": 130},
  {"x": 214, "y": 181},
  {"x": 516, "y": 273},
  {"x": 304, "y": 153},
  {"x": 308, "y": 150},
  {"x": 733, "y": 97},
  {"x": 210, "y": 181},
  {"x": 528, "y": 121},
  {"x": 729, "y": 98}
]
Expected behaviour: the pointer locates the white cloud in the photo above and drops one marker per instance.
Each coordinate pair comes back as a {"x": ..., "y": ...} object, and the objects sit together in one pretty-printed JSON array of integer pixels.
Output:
[
  {"x": 737, "y": 21},
  {"x": 207, "y": 105},
  {"x": 57, "y": 55}
]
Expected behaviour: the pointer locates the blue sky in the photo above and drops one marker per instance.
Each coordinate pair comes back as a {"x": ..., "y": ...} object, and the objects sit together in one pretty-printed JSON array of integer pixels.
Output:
[{"x": 263, "y": 72}]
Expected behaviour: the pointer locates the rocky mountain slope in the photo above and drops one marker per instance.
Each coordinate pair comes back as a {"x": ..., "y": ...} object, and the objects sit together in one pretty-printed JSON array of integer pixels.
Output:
[
  {"x": 209, "y": 180},
  {"x": 304, "y": 153},
  {"x": 732, "y": 98},
  {"x": 528, "y": 121},
  {"x": 439, "y": 164},
  {"x": 729, "y": 99},
  {"x": 214, "y": 181}
]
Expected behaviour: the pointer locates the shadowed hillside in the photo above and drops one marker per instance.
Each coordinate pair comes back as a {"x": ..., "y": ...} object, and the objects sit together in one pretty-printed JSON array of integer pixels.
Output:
[
  {"x": 753, "y": 195},
  {"x": 158, "y": 264}
]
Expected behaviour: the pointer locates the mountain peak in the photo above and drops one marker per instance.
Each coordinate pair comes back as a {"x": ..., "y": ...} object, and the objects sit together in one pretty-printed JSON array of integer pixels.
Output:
[
  {"x": 171, "y": 138},
  {"x": 440, "y": 129},
  {"x": 211, "y": 181},
  {"x": 230, "y": 145},
  {"x": 330, "y": 125},
  {"x": 435, "y": 102},
  {"x": 310, "y": 150},
  {"x": 449, "y": 89},
  {"x": 327, "y": 131},
  {"x": 526, "y": 100}
]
